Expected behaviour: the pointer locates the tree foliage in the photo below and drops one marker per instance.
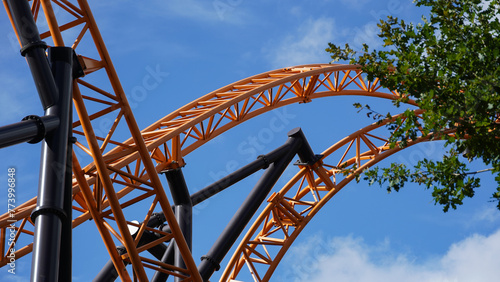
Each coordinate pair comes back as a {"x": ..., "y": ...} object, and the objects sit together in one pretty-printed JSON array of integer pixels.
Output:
[{"x": 449, "y": 65}]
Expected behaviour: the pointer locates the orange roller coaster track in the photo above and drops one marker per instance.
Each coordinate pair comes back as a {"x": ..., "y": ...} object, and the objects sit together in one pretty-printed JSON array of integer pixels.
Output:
[
  {"x": 122, "y": 174},
  {"x": 289, "y": 210}
]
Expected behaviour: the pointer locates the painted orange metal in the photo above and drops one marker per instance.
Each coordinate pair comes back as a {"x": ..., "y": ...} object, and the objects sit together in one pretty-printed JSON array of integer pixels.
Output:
[
  {"x": 52, "y": 23},
  {"x": 94, "y": 212},
  {"x": 289, "y": 210},
  {"x": 99, "y": 167},
  {"x": 121, "y": 167}
]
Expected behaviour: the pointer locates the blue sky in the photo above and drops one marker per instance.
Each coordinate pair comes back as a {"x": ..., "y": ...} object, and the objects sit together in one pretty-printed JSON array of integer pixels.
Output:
[{"x": 363, "y": 233}]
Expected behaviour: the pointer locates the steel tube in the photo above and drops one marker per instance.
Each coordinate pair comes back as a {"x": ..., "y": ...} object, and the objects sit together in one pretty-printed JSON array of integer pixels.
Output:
[
  {"x": 165, "y": 254},
  {"x": 49, "y": 215},
  {"x": 183, "y": 209},
  {"x": 143, "y": 151},
  {"x": 278, "y": 158},
  {"x": 168, "y": 257},
  {"x": 108, "y": 273},
  {"x": 305, "y": 152},
  {"x": 33, "y": 49},
  {"x": 66, "y": 251},
  {"x": 210, "y": 262},
  {"x": 262, "y": 162},
  {"x": 29, "y": 130}
]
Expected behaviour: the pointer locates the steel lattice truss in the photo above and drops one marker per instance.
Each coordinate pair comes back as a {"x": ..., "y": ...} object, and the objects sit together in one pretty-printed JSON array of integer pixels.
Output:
[
  {"x": 289, "y": 210},
  {"x": 121, "y": 174}
]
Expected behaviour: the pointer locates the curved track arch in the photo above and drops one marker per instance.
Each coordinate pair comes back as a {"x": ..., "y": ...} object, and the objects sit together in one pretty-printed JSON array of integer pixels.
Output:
[
  {"x": 181, "y": 132},
  {"x": 123, "y": 174},
  {"x": 290, "y": 210}
]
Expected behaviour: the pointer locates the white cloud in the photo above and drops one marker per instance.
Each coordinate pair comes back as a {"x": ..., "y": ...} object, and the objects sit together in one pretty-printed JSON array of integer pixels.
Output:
[
  {"x": 296, "y": 11},
  {"x": 486, "y": 214},
  {"x": 350, "y": 259},
  {"x": 367, "y": 34},
  {"x": 306, "y": 45}
]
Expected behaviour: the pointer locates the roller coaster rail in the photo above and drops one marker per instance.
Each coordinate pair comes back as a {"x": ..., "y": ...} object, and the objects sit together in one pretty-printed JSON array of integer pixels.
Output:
[{"x": 122, "y": 174}]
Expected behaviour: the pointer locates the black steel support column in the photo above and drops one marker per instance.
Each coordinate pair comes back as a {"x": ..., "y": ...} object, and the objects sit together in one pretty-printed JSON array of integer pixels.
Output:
[
  {"x": 50, "y": 217},
  {"x": 33, "y": 48},
  {"x": 66, "y": 252},
  {"x": 53, "y": 77},
  {"x": 277, "y": 160},
  {"x": 211, "y": 261},
  {"x": 183, "y": 209}
]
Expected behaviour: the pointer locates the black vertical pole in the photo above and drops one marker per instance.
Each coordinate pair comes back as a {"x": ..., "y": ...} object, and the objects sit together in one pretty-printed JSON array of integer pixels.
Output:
[
  {"x": 54, "y": 82},
  {"x": 182, "y": 208},
  {"x": 49, "y": 216},
  {"x": 66, "y": 255},
  {"x": 33, "y": 48}
]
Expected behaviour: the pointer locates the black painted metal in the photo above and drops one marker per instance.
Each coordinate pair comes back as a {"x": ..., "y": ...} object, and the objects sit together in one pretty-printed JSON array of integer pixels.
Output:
[
  {"x": 276, "y": 162},
  {"x": 33, "y": 48},
  {"x": 305, "y": 152},
  {"x": 32, "y": 130},
  {"x": 108, "y": 272},
  {"x": 66, "y": 252},
  {"x": 158, "y": 250},
  {"x": 168, "y": 257},
  {"x": 183, "y": 213},
  {"x": 53, "y": 77},
  {"x": 262, "y": 162},
  {"x": 210, "y": 262},
  {"x": 50, "y": 216},
  {"x": 163, "y": 253},
  {"x": 183, "y": 209},
  {"x": 157, "y": 219}
]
